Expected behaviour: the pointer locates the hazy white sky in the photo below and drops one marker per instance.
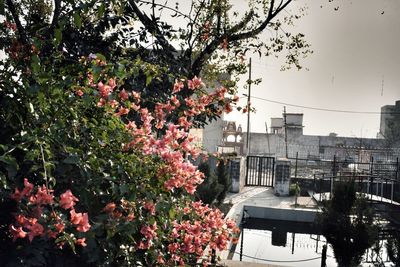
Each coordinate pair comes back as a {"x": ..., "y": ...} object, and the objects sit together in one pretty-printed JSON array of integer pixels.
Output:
[{"x": 354, "y": 48}]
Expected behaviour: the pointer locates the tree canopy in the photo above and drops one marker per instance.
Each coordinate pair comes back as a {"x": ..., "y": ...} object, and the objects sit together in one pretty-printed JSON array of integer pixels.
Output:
[
  {"x": 96, "y": 100},
  {"x": 141, "y": 27}
]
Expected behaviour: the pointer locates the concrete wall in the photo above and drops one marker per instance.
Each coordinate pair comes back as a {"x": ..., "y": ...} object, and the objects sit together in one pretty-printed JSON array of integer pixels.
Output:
[
  {"x": 210, "y": 137},
  {"x": 237, "y": 173},
  {"x": 309, "y": 146},
  {"x": 295, "y": 215}
]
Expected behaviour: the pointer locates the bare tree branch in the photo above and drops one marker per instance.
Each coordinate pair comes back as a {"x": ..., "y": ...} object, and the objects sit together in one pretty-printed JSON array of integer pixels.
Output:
[
  {"x": 22, "y": 35},
  {"x": 152, "y": 27},
  {"x": 166, "y": 7},
  {"x": 56, "y": 14},
  {"x": 231, "y": 36}
]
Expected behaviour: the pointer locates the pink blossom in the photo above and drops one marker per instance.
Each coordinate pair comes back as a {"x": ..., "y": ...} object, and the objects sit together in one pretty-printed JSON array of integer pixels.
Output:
[
  {"x": 178, "y": 86},
  {"x": 81, "y": 220},
  {"x": 35, "y": 229},
  {"x": 17, "y": 232},
  {"x": 123, "y": 95},
  {"x": 43, "y": 196},
  {"x": 79, "y": 92},
  {"x": 81, "y": 242},
  {"x": 101, "y": 102},
  {"x": 67, "y": 200},
  {"x": 110, "y": 207},
  {"x": 28, "y": 188},
  {"x": 195, "y": 83},
  {"x": 112, "y": 83},
  {"x": 149, "y": 205}
]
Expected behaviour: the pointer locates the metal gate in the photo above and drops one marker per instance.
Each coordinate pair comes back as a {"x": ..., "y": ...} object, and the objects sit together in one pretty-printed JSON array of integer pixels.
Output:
[{"x": 260, "y": 171}]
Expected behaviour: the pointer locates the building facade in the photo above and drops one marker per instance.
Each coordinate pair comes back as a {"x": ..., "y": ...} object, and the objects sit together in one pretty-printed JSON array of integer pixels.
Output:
[{"x": 388, "y": 118}]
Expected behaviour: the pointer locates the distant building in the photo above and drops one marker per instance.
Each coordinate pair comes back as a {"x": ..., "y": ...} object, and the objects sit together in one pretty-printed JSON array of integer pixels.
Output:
[
  {"x": 232, "y": 141},
  {"x": 277, "y": 126},
  {"x": 387, "y": 118},
  {"x": 209, "y": 137},
  {"x": 313, "y": 147}
]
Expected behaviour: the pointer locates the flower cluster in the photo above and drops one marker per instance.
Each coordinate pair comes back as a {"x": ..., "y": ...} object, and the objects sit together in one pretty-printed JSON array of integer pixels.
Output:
[
  {"x": 157, "y": 135},
  {"x": 176, "y": 144},
  {"x": 207, "y": 226},
  {"x": 159, "y": 224},
  {"x": 41, "y": 216}
]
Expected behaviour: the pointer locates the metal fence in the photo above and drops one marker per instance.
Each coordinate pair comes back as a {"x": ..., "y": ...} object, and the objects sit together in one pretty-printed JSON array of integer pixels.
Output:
[
  {"x": 378, "y": 179},
  {"x": 306, "y": 167}
]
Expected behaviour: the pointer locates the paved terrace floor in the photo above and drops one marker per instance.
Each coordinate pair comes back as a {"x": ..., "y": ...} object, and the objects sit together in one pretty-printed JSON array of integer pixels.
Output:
[{"x": 260, "y": 197}]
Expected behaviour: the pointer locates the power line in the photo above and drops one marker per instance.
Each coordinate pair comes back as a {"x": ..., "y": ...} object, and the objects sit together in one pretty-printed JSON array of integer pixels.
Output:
[
  {"x": 260, "y": 259},
  {"x": 322, "y": 109}
]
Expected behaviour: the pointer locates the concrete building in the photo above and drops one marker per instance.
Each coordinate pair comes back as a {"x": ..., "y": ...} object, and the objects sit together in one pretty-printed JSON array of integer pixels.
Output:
[
  {"x": 387, "y": 118},
  {"x": 313, "y": 147},
  {"x": 210, "y": 137},
  {"x": 232, "y": 141}
]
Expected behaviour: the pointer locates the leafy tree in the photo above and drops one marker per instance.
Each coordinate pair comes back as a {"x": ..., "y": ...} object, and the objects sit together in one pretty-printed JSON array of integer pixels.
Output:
[
  {"x": 347, "y": 224},
  {"x": 210, "y": 189},
  {"x": 223, "y": 180},
  {"x": 86, "y": 167},
  {"x": 138, "y": 28},
  {"x": 393, "y": 248},
  {"x": 95, "y": 108}
]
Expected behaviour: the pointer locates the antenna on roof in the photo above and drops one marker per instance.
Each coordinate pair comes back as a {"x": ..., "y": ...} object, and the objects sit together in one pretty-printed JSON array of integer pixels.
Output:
[{"x": 383, "y": 81}]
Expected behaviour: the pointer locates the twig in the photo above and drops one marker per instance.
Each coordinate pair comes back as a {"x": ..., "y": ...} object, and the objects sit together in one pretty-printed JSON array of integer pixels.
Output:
[{"x": 44, "y": 167}]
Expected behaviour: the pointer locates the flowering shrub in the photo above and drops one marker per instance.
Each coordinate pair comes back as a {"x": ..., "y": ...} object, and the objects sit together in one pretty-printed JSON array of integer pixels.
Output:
[
  {"x": 41, "y": 216},
  {"x": 110, "y": 180}
]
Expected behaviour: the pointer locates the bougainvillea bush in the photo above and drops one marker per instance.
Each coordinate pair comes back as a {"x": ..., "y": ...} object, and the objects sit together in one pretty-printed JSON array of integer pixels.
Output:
[{"x": 93, "y": 172}]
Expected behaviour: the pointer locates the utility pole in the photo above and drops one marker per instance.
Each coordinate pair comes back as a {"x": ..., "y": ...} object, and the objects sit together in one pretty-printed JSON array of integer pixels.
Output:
[
  {"x": 266, "y": 129},
  {"x": 285, "y": 125},
  {"x": 248, "y": 110}
]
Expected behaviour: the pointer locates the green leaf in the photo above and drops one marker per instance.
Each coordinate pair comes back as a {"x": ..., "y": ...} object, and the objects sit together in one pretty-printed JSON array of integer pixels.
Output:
[
  {"x": 101, "y": 57},
  {"x": 72, "y": 159},
  {"x": 35, "y": 64},
  {"x": 123, "y": 189},
  {"x": 11, "y": 165},
  {"x": 148, "y": 79},
  {"x": 2, "y": 7},
  {"x": 101, "y": 10},
  {"x": 172, "y": 214},
  {"x": 57, "y": 36},
  {"x": 77, "y": 20}
]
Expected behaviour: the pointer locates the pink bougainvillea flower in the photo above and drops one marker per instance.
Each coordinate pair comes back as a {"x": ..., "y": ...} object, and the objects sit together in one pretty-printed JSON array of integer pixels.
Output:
[
  {"x": 17, "y": 196},
  {"x": 122, "y": 111},
  {"x": 36, "y": 229},
  {"x": 149, "y": 205},
  {"x": 79, "y": 92},
  {"x": 17, "y": 232},
  {"x": 195, "y": 83},
  {"x": 67, "y": 200},
  {"x": 81, "y": 220},
  {"x": 123, "y": 95},
  {"x": 130, "y": 217},
  {"x": 27, "y": 189},
  {"x": 110, "y": 207},
  {"x": 84, "y": 226},
  {"x": 112, "y": 83},
  {"x": 59, "y": 226},
  {"x": 178, "y": 86},
  {"x": 104, "y": 90},
  {"x": 52, "y": 234},
  {"x": 43, "y": 196},
  {"x": 81, "y": 242},
  {"x": 101, "y": 102}
]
